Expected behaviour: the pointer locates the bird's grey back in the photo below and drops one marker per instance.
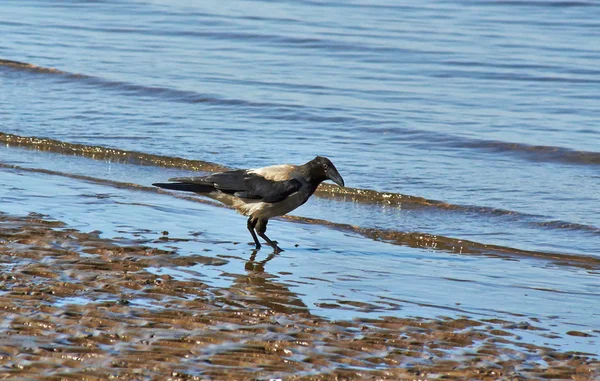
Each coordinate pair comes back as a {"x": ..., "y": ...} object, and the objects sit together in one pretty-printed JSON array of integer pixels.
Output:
[{"x": 280, "y": 172}]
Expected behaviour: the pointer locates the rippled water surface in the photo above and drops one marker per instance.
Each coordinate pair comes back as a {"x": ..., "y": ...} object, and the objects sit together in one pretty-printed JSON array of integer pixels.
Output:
[{"x": 475, "y": 123}]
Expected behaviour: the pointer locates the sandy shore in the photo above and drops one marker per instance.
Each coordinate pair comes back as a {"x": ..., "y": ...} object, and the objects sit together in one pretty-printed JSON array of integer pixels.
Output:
[{"x": 75, "y": 306}]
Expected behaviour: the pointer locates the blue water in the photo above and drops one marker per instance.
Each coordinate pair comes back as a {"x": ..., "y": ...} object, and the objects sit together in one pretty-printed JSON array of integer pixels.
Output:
[{"x": 488, "y": 106}]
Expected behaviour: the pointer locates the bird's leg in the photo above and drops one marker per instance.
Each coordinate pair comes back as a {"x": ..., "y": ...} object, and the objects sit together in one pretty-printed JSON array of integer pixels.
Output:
[
  {"x": 251, "y": 224},
  {"x": 261, "y": 228}
]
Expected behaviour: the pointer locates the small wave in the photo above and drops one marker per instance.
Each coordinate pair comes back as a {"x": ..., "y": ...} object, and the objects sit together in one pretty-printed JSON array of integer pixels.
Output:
[
  {"x": 558, "y": 224},
  {"x": 455, "y": 245},
  {"x": 533, "y": 152},
  {"x": 410, "y": 239},
  {"x": 105, "y": 153},
  {"x": 357, "y": 195},
  {"x": 347, "y": 194},
  {"x": 298, "y": 112},
  {"x": 286, "y": 111},
  {"x": 366, "y": 196},
  {"x": 141, "y": 90},
  {"x": 31, "y": 67}
]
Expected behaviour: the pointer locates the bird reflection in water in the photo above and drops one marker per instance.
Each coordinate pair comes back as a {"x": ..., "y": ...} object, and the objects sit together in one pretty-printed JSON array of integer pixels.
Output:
[{"x": 259, "y": 267}]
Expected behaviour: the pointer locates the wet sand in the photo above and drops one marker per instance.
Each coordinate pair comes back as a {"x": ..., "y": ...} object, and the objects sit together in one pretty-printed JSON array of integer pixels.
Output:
[{"x": 77, "y": 306}]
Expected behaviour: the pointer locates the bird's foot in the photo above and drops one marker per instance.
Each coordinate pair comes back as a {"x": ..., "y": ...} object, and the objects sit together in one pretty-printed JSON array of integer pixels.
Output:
[{"x": 271, "y": 243}]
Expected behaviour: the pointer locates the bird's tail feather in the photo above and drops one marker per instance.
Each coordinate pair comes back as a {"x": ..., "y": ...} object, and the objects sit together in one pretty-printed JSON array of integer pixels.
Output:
[{"x": 186, "y": 187}]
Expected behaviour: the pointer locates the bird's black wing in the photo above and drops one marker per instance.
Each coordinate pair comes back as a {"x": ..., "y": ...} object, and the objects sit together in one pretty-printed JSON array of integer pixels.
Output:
[
  {"x": 229, "y": 182},
  {"x": 268, "y": 190},
  {"x": 242, "y": 184}
]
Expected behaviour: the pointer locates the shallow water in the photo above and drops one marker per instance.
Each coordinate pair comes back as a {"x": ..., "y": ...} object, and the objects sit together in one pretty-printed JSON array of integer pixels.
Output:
[
  {"x": 335, "y": 273},
  {"x": 474, "y": 122}
]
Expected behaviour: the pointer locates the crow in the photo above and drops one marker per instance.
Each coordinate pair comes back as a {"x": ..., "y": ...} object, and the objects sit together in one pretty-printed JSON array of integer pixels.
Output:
[{"x": 261, "y": 193}]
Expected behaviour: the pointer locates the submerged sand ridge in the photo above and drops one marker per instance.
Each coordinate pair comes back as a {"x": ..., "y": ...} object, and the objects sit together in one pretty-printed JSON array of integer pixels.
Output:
[{"x": 77, "y": 306}]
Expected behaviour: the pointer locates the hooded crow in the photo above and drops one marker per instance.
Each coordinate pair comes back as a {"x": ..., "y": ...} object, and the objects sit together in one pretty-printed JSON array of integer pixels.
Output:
[{"x": 262, "y": 193}]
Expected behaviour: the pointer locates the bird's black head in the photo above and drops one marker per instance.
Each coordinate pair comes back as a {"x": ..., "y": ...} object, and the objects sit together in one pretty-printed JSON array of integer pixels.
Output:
[{"x": 321, "y": 169}]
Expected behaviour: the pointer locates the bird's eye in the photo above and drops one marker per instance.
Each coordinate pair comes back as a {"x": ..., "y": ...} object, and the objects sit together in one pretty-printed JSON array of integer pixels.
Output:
[{"x": 325, "y": 166}]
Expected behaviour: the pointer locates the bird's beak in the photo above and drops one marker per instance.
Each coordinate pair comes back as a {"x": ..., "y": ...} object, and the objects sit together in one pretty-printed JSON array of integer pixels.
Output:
[{"x": 333, "y": 175}]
